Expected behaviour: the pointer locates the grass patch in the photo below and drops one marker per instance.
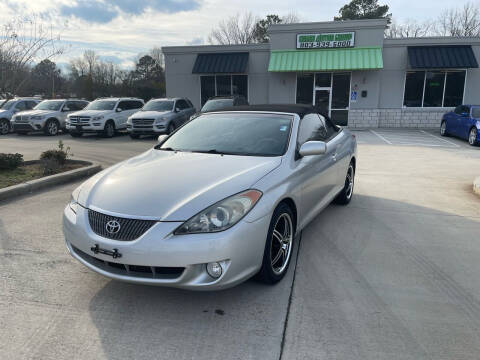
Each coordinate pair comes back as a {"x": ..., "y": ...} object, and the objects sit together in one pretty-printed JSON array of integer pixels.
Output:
[{"x": 29, "y": 172}]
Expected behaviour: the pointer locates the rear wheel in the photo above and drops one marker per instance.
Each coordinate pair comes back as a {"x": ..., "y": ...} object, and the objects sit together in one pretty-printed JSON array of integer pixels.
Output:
[
  {"x": 443, "y": 128},
  {"x": 278, "y": 246},
  {"x": 473, "y": 136},
  {"x": 4, "y": 127},
  {"x": 51, "y": 127},
  {"x": 344, "y": 197},
  {"x": 109, "y": 129}
]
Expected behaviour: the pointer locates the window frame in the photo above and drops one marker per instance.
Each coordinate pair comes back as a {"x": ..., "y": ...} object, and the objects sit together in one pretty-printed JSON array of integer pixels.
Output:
[
  {"x": 445, "y": 72},
  {"x": 231, "y": 85}
]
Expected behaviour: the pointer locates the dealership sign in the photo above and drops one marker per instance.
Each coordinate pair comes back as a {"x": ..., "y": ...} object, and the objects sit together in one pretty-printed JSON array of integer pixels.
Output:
[{"x": 326, "y": 40}]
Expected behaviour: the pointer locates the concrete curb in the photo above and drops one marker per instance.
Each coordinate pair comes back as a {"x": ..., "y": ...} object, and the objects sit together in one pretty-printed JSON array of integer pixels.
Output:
[
  {"x": 476, "y": 186},
  {"x": 48, "y": 181}
]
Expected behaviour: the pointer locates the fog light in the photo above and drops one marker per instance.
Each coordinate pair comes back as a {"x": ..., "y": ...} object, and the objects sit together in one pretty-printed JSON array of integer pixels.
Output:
[{"x": 214, "y": 270}]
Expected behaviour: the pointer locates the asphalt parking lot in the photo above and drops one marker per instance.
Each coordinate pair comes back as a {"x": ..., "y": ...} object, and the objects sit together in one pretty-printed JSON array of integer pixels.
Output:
[{"x": 394, "y": 275}]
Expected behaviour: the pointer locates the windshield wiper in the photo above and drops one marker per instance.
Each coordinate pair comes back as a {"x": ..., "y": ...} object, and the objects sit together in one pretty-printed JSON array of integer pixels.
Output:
[
  {"x": 211, "y": 151},
  {"x": 167, "y": 149}
]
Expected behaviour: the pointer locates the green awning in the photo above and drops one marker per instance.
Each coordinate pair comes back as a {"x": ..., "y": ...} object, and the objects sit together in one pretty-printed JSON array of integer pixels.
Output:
[{"x": 326, "y": 59}]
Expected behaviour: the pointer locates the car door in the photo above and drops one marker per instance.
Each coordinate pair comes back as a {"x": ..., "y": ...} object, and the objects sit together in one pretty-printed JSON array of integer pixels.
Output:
[
  {"x": 318, "y": 173},
  {"x": 183, "y": 113},
  {"x": 190, "y": 110},
  {"x": 122, "y": 116},
  {"x": 464, "y": 122},
  {"x": 67, "y": 108}
]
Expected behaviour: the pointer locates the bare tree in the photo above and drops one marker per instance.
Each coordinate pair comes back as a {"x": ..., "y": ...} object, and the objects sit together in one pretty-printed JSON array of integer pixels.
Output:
[
  {"x": 24, "y": 41},
  {"x": 157, "y": 55},
  {"x": 410, "y": 28},
  {"x": 463, "y": 21},
  {"x": 237, "y": 29}
]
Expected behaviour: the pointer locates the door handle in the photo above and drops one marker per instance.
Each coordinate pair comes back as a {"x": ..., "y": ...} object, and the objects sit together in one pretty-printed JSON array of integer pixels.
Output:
[{"x": 334, "y": 157}]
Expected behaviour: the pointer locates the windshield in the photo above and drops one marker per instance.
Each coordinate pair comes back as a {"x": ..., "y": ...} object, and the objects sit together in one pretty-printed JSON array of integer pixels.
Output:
[
  {"x": 248, "y": 134},
  {"x": 53, "y": 105},
  {"x": 158, "y": 105},
  {"x": 101, "y": 105},
  {"x": 8, "y": 104},
  {"x": 217, "y": 104}
]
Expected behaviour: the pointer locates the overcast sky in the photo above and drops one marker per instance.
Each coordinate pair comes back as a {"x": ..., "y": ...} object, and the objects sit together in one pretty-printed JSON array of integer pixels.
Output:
[{"x": 118, "y": 30}]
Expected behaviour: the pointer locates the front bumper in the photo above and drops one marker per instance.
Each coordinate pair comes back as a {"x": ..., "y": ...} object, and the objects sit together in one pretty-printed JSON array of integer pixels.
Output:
[
  {"x": 156, "y": 129},
  {"x": 175, "y": 260},
  {"x": 30, "y": 126},
  {"x": 96, "y": 127}
]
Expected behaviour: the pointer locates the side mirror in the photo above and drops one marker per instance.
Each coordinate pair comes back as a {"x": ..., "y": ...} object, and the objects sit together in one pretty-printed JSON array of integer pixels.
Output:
[
  {"x": 177, "y": 110},
  {"x": 313, "y": 148},
  {"x": 119, "y": 110},
  {"x": 162, "y": 138}
]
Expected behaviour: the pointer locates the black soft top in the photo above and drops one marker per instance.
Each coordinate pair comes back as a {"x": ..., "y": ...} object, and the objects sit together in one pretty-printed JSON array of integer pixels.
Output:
[{"x": 300, "y": 110}]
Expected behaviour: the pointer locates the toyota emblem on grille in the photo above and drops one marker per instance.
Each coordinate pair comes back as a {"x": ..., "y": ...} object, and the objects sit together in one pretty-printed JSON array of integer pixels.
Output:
[{"x": 112, "y": 227}]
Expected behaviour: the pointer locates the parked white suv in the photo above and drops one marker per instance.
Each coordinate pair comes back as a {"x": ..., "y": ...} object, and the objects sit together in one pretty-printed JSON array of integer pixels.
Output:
[
  {"x": 103, "y": 116},
  {"x": 49, "y": 116},
  {"x": 11, "y": 107}
]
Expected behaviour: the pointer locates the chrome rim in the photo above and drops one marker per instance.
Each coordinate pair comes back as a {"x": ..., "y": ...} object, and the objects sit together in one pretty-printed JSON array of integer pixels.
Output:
[
  {"x": 442, "y": 129},
  {"x": 349, "y": 181},
  {"x": 4, "y": 127},
  {"x": 473, "y": 137},
  {"x": 109, "y": 130},
  {"x": 52, "y": 128},
  {"x": 282, "y": 240}
]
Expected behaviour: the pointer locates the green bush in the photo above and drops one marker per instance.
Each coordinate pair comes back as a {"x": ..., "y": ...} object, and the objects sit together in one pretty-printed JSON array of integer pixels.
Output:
[
  {"x": 53, "y": 160},
  {"x": 10, "y": 161}
]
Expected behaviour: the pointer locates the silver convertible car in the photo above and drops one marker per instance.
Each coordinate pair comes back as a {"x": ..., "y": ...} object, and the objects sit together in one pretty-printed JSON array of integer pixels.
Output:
[{"x": 218, "y": 201}]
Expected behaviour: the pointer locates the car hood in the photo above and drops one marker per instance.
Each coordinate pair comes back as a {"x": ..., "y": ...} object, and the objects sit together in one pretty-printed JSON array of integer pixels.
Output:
[
  {"x": 169, "y": 186},
  {"x": 91, "y": 113},
  {"x": 6, "y": 113},
  {"x": 38, "y": 112},
  {"x": 149, "y": 114}
]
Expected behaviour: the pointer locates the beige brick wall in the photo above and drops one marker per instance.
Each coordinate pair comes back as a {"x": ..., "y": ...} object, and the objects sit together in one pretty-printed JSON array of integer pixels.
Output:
[{"x": 396, "y": 118}]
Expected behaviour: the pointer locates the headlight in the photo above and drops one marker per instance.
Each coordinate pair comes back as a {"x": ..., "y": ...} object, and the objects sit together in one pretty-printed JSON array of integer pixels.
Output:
[
  {"x": 73, "y": 205},
  {"x": 37, "y": 117},
  {"x": 222, "y": 215},
  {"x": 98, "y": 118},
  {"x": 161, "y": 120}
]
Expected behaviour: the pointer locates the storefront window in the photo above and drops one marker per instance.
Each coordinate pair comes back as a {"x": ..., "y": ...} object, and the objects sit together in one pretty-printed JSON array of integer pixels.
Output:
[
  {"x": 223, "y": 85},
  {"x": 434, "y": 83},
  {"x": 414, "y": 89},
  {"x": 240, "y": 85},
  {"x": 305, "y": 89},
  {"x": 434, "y": 88},
  {"x": 207, "y": 87},
  {"x": 323, "y": 79},
  {"x": 340, "y": 91},
  {"x": 454, "y": 88}
]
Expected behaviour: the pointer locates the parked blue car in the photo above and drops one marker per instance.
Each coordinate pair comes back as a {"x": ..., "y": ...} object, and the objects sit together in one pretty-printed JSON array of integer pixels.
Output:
[{"x": 463, "y": 122}]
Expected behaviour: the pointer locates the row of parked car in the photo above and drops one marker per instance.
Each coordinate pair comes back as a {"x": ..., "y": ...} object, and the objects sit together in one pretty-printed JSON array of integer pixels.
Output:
[{"x": 104, "y": 116}]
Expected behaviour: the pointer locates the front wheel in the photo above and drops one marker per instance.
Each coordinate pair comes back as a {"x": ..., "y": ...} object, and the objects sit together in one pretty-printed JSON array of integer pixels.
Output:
[
  {"x": 51, "y": 128},
  {"x": 345, "y": 196},
  {"x": 279, "y": 246},
  {"x": 473, "y": 136},
  {"x": 443, "y": 128},
  {"x": 109, "y": 129},
  {"x": 4, "y": 127}
]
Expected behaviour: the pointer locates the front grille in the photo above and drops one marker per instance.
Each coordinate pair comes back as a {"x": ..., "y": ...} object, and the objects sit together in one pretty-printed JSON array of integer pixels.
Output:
[
  {"x": 75, "y": 120},
  {"x": 17, "y": 126},
  {"x": 142, "y": 123},
  {"x": 22, "y": 118},
  {"x": 141, "y": 271},
  {"x": 130, "y": 229}
]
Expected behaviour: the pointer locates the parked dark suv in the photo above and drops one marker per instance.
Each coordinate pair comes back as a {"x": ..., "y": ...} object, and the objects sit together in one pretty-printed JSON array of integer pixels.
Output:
[{"x": 219, "y": 102}]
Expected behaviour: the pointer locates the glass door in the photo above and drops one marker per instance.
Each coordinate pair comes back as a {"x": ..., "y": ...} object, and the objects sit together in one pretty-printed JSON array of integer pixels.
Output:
[{"x": 322, "y": 100}]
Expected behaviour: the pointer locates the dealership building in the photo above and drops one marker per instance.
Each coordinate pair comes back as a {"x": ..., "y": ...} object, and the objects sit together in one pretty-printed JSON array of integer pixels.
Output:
[{"x": 346, "y": 68}]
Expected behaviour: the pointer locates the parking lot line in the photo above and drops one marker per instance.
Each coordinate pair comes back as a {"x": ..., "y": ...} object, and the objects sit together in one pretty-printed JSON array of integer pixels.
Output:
[
  {"x": 439, "y": 138},
  {"x": 381, "y": 137}
]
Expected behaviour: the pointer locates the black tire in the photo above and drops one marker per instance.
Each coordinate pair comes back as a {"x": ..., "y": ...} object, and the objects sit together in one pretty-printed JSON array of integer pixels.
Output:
[
  {"x": 4, "y": 126},
  {"x": 171, "y": 128},
  {"x": 268, "y": 274},
  {"x": 134, "y": 136},
  {"x": 345, "y": 196},
  {"x": 443, "y": 128},
  {"x": 473, "y": 136},
  {"x": 109, "y": 129},
  {"x": 51, "y": 127},
  {"x": 75, "y": 134}
]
